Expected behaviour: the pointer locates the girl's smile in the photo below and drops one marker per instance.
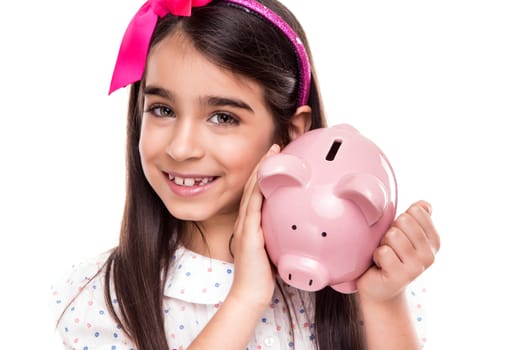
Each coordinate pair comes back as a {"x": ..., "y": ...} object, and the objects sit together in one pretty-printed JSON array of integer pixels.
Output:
[{"x": 187, "y": 186}]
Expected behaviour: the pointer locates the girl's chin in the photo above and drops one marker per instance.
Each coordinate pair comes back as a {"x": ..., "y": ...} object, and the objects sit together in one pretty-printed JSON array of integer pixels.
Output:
[
  {"x": 200, "y": 214},
  {"x": 185, "y": 216}
]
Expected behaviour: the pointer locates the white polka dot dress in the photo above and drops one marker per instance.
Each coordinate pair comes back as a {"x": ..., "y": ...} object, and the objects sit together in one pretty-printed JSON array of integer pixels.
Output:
[{"x": 195, "y": 288}]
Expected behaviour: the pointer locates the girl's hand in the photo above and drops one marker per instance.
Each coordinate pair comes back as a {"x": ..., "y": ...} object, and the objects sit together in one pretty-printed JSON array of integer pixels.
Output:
[
  {"x": 406, "y": 250},
  {"x": 254, "y": 279}
]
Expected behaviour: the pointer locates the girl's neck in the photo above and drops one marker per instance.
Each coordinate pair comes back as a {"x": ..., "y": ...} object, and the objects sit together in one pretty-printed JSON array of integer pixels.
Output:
[{"x": 210, "y": 238}]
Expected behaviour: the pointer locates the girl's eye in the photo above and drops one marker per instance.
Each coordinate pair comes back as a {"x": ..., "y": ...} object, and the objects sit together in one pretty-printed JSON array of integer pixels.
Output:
[
  {"x": 160, "y": 111},
  {"x": 223, "y": 118}
]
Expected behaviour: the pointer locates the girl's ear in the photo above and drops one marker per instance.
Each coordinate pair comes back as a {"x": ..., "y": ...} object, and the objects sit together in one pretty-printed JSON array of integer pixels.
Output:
[{"x": 300, "y": 122}]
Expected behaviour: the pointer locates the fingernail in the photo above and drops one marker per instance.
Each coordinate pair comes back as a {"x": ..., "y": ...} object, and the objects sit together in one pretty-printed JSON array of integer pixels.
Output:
[
  {"x": 427, "y": 206},
  {"x": 275, "y": 148}
]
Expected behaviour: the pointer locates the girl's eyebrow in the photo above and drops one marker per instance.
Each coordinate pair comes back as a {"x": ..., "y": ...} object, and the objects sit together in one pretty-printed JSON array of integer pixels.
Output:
[
  {"x": 215, "y": 101},
  {"x": 158, "y": 91}
]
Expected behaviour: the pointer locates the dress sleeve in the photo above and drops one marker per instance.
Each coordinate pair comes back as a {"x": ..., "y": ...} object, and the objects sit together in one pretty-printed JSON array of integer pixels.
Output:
[
  {"x": 78, "y": 307},
  {"x": 70, "y": 284}
]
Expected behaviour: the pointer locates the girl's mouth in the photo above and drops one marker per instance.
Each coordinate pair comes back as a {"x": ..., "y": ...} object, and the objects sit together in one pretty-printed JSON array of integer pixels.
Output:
[{"x": 191, "y": 181}]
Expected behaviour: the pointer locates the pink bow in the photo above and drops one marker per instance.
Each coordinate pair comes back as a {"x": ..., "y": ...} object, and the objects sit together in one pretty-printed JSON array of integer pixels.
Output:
[{"x": 133, "y": 51}]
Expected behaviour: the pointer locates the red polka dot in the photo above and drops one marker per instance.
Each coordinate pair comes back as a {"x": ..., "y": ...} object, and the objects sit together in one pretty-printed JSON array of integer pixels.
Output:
[
  {"x": 89, "y": 325},
  {"x": 77, "y": 320},
  {"x": 90, "y": 303},
  {"x": 75, "y": 340},
  {"x": 306, "y": 325},
  {"x": 182, "y": 291},
  {"x": 278, "y": 328},
  {"x": 204, "y": 290},
  {"x": 210, "y": 269}
]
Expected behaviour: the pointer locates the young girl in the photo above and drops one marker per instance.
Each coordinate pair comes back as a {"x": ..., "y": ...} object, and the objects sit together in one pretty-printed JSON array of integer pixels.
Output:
[{"x": 216, "y": 86}]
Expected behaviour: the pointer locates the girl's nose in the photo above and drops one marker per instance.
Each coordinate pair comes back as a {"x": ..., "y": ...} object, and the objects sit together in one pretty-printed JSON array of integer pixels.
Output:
[{"x": 186, "y": 141}]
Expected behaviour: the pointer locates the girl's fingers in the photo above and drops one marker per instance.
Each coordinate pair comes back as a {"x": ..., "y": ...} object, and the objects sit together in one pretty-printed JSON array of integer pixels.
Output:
[
  {"x": 247, "y": 201},
  {"x": 400, "y": 244},
  {"x": 411, "y": 227},
  {"x": 387, "y": 260},
  {"x": 252, "y": 180},
  {"x": 421, "y": 212}
]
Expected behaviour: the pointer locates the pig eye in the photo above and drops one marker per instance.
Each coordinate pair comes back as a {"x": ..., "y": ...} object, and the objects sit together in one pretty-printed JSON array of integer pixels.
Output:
[
  {"x": 323, "y": 234},
  {"x": 294, "y": 227}
]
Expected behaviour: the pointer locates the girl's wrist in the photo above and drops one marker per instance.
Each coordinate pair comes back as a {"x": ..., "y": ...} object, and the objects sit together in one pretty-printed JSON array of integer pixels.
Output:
[
  {"x": 396, "y": 301},
  {"x": 248, "y": 300}
]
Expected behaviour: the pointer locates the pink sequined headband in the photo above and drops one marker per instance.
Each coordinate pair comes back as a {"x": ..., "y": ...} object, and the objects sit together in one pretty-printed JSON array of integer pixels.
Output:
[{"x": 133, "y": 51}]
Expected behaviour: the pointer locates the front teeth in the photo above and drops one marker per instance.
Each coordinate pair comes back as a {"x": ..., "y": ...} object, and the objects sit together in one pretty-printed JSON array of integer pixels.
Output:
[{"x": 189, "y": 181}]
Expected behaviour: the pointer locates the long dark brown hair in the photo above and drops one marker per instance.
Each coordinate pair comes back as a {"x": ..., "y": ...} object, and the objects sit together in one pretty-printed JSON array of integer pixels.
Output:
[{"x": 247, "y": 45}]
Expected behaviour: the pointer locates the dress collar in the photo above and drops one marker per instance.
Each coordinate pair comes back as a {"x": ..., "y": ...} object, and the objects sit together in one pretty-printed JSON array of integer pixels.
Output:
[{"x": 195, "y": 278}]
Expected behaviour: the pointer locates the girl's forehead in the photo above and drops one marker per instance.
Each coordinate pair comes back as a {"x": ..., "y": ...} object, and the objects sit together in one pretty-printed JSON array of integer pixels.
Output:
[{"x": 175, "y": 61}]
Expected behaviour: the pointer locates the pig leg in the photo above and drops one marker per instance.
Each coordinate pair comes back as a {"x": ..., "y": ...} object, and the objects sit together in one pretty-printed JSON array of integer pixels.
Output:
[{"x": 345, "y": 287}]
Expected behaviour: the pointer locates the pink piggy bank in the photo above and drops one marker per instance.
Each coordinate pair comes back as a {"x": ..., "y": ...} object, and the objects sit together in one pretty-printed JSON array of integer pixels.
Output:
[{"x": 330, "y": 196}]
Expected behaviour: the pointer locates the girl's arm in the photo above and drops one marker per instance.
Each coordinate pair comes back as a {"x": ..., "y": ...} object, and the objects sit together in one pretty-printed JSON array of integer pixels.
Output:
[
  {"x": 407, "y": 249},
  {"x": 233, "y": 325},
  {"x": 388, "y": 324}
]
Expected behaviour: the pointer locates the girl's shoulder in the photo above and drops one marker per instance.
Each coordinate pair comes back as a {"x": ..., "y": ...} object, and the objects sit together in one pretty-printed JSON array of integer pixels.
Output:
[
  {"x": 75, "y": 280},
  {"x": 82, "y": 317}
]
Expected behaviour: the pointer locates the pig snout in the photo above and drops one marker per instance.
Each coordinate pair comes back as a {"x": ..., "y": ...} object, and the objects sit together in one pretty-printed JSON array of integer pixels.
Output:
[{"x": 303, "y": 272}]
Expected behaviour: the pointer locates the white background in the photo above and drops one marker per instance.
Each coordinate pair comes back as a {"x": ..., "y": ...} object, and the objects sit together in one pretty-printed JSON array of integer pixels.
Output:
[{"x": 438, "y": 85}]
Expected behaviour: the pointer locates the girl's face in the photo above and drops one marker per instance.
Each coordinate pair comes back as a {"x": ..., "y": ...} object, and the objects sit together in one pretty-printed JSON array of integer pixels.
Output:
[{"x": 204, "y": 129}]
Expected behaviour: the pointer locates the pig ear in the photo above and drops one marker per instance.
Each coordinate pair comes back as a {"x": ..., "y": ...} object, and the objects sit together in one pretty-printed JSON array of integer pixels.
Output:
[
  {"x": 367, "y": 192},
  {"x": 282, "y": 170}
]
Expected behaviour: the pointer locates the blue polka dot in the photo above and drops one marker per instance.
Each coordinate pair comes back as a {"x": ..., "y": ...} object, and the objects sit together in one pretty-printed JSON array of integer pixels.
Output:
[
  {"x": 94, "y": 286},
  {"x": 181, "y": 327},
  {"x": 115, "y": 335},
  {"x": 72, "y": 309},
  {"x": 229, "y": 271},
  {"x": 188, "y": 273},
  {"x": 312, "y": 337},
  {"x": 419, "y": 319},
  {"x": 85, "y": 348},
  {"x": 276, "y": 301},
  {"x": 113, "y": 347},
  {"x": 101, "y": 312},
  {"x": 66, "y": 329},
  {"x": 301, "y": 311},
  {"x": 290, "y": 344},
  {"x": 59, "y": 301},
  {"x": 217, "y": 284},
  {"x": 263, "y": 320},
  {"x": 97, "y": 334},
  {"x": 180, "y": 266}
]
